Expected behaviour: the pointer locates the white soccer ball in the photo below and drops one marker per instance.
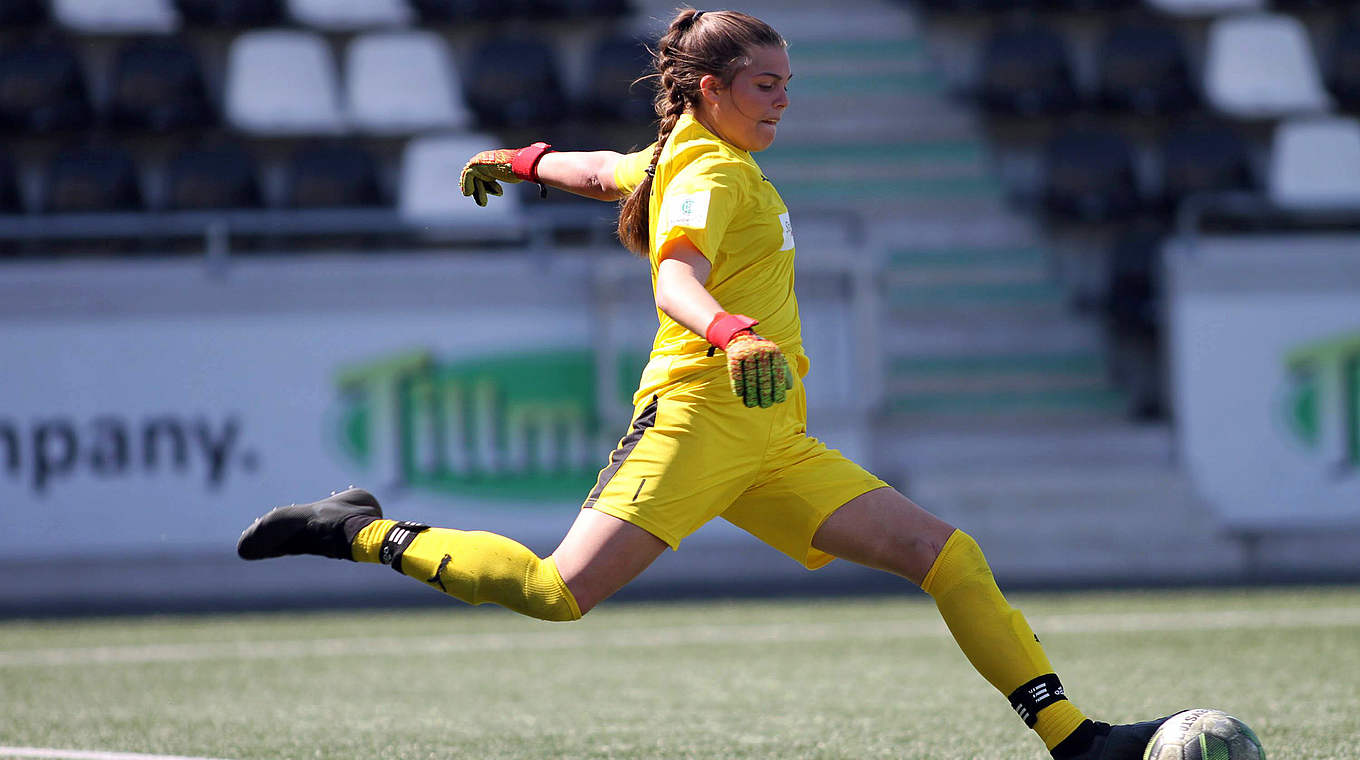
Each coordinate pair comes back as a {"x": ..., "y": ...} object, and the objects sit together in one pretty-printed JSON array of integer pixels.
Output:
[{"x": 1204, "y": 734}]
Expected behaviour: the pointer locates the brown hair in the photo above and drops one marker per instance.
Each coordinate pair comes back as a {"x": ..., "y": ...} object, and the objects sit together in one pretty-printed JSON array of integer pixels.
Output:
[{"x": 697, "y": 43}]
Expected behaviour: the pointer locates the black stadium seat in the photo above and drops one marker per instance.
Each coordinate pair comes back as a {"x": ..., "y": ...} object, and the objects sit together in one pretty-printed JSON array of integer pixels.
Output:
[
  {"x": 158, "y": 87},
  {"x": 90, "y": 179},
  {"x": 1026, "y": 72},
  {"x": 460, "y": 11},
  {"x": 513, "y": 82},
  {"x": 615, "y": 64},
  {"x": 1143, "y": 69},
  {"x": 22, "y": 12},
  {"x": 10, "y": 202},
  {"x": 1343, "y": 65},
  {"x": 332, "y": 175},
  {"x": 218, "y": 176},
  {"x": 577, "y": 8},
  {"x": 1090, "y": 176},
  {"x": 42, "y": 89},
  {"x": 1203, "y": 157},
  {"x": 231, "y": 13}
]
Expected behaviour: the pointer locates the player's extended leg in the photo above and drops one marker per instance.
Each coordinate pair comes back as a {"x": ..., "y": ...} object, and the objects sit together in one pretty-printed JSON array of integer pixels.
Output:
[
  {"x": 599, "y": 555},
  {"x": 885, "y": 530}
]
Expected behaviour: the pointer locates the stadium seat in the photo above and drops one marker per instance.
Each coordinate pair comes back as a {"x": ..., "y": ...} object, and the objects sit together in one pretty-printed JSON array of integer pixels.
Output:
[
  {"x": 615, "y": 64},
  {"x": 1090, "y": 176},
  {"x": 348, "y": 16},
  {"x": 513, "y": 82},
  {"x": 332, "y": 175},
  {"x": 1262, "y": 66},
  {"x": 401, "y": 83},
  {"x": 1203, "y": 157},
  {"x": 116, "y": 16},
  {"x": 1026, "y": 72},
  {"x": 231, "y": 13},
  {"x": 282, "y": 82},
  {"x": 1206, "y": 7},
  {"x": 22, "y": 12},
  {"x": 577, "y": 8},
  {"x": 462, "y": 11},
  {"x": 217, "y": 176},
  {"x": 92, "y": 178},
  {"x": 1343, "y": 65},
  {"x": 429, "y": 192},
  {"x": 1315, "y": 164},
  {"x": 42, "y": 89},
  {"x": 1132, "y": 292},
  {"x": 1143, "y": 69},
  {"x": 158, "y": 87},
  {"x": 10, "y": 200}
]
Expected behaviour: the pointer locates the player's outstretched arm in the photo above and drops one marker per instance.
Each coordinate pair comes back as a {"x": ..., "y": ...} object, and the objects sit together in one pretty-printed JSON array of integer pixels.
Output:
[
  {"x": 586, "y": 173},
  {"x": 758, "y": 369}
]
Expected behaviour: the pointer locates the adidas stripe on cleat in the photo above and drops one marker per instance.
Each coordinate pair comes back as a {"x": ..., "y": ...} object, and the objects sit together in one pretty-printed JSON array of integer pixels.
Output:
[{"x": 322, "y": 527}]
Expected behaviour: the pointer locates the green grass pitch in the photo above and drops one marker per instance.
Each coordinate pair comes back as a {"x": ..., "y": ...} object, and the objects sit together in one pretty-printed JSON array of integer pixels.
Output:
[{"x": 863, "y": 678}]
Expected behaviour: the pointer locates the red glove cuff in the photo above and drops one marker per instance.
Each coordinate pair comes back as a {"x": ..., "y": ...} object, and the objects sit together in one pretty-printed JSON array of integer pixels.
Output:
[
  {"x": 725, "y": 326},
  {"x": 525, "y": 162}
]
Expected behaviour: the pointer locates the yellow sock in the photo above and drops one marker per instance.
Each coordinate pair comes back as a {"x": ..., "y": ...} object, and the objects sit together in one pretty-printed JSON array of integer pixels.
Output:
[
  {"x": 993, "y": 635},
  {"x": 478, "y": 567}
]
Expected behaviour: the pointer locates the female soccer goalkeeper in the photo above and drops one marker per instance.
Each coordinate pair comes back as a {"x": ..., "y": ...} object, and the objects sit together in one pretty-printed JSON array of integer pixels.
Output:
[{"x": 719, "y": 427}]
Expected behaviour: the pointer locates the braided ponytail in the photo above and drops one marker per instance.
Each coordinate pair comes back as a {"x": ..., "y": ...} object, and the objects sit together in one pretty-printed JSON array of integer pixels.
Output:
[{"x": 689, "y": 50}]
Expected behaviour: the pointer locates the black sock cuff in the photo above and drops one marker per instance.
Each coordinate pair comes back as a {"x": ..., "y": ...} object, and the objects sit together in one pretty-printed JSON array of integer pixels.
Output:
[
  {"x": 394, "y": 544},
  {"x": 353, "y": 524},
  {"x": 1035, "y": 695},
  {"x": 1076, "y": 742}
]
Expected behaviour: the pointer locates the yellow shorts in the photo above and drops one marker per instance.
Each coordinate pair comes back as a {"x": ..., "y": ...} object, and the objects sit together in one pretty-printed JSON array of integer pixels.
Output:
[{"x": 695, "y": 452}]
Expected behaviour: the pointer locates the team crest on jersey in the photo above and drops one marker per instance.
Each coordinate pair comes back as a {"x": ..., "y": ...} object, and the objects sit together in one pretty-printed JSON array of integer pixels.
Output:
[
  {"x": 786, "y": 225},
  {"x": 689, "y": 210}
]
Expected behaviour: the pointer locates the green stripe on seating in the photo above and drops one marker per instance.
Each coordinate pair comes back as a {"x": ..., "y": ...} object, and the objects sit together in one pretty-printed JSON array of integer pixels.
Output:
[
  {"x": 990, "y": 293},
  {"x": 963, "y": 257},
  {"x": 854, "y": 50},
  {"x": 905, "y": 82},
  {"x": 1047, "y": 363},
  {"x": 964, "y": 403},
  {"x": 934, "y": 150},
  {"x": 891, "y": 188}
]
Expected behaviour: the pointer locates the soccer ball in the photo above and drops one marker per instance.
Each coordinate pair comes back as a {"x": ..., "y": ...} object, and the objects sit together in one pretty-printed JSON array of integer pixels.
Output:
[{"x": 1204, "y": 734}]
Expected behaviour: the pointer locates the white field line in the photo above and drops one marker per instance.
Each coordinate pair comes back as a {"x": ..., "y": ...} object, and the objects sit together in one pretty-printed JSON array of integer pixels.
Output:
[
  {"x": 85, "y": 754},
  {"x": 737, "y": 633}
]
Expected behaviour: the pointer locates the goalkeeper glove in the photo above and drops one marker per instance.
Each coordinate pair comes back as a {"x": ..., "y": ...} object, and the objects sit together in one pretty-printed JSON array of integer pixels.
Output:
[
  {"x": 757, "y": 368},
  {"x": 484, "y": 173}
]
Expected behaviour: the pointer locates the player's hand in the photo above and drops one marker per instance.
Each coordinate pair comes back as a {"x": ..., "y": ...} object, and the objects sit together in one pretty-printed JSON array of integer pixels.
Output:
[
  {"x": 483, "y": 174},
  {"x": 758, "y": 370}
]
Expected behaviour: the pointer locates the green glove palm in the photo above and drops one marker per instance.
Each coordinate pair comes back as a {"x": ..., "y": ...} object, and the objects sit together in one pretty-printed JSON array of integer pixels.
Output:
[
  {"x": 484, "y": 173},
  {"x": 758, "y": 370}
]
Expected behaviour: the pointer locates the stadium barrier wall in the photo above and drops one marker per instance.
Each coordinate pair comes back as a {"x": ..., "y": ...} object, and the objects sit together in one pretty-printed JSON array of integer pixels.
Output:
[
  {"x": 1264, "y": 352},
  {"x": 149, "y": 410}
]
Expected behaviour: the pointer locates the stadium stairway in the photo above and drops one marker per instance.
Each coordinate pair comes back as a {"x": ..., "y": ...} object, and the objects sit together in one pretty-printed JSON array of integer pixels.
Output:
[{"x": 998, "y": 408}]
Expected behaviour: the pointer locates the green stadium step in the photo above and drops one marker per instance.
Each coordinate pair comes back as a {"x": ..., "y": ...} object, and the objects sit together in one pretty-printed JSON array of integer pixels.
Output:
[
  {"x": 918, "y": 152},
  {"x": 840, "y": 192},
  {"x": 964, "y": 257},
  {"x": 1099, "y": 401},
  {"x": 991, "y": 294},
  {"x": 904, "y": 83},
  {"x": 928, "y": 376},
  {"x": 852, "y": 50},
  {"x": 1082, "y": 362}
]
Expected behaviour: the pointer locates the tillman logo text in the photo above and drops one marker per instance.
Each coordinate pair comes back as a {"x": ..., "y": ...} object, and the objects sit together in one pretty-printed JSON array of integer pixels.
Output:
[
  {"x": 1323, "y": 399},
  {"x": 519, "y": 427}
]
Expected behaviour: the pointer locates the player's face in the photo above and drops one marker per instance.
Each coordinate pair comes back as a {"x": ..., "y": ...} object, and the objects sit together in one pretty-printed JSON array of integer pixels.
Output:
[{"x": 746, "y": 112}]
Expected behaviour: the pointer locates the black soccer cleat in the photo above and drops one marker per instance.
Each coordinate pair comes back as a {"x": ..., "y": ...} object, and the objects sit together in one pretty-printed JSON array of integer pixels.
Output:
[
  {"x": 316, "y": 528},
  {"x": 1125, "y": 741}
]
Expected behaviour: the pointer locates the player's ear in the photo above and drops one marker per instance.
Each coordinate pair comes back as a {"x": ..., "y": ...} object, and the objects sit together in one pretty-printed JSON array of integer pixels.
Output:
[{"x": 709, "y": 87}]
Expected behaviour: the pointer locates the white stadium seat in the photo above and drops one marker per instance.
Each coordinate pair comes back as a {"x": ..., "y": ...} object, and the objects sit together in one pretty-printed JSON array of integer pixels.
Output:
[
  {"x": 1262, "y": 66},
  {"x": 1206, "y": 7},
  {"x": 350, "y": 15},
  {"x": 116, "y": 16},
  {"x": 401, "y": 83},
  {"x": 429, "y": 191},
  {"x": 1315, "y": 164},
  {"x": 282, "y": 82}
]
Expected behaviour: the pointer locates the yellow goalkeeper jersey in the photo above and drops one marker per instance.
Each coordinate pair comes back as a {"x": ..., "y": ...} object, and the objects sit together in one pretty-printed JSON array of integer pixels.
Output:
[{"x": 715, "y": 195}]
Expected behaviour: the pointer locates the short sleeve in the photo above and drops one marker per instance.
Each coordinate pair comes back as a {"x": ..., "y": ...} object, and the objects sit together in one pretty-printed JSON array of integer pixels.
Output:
[
  {"x": 700, "y": 203},
  {"x": 631, "y": 168}
]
